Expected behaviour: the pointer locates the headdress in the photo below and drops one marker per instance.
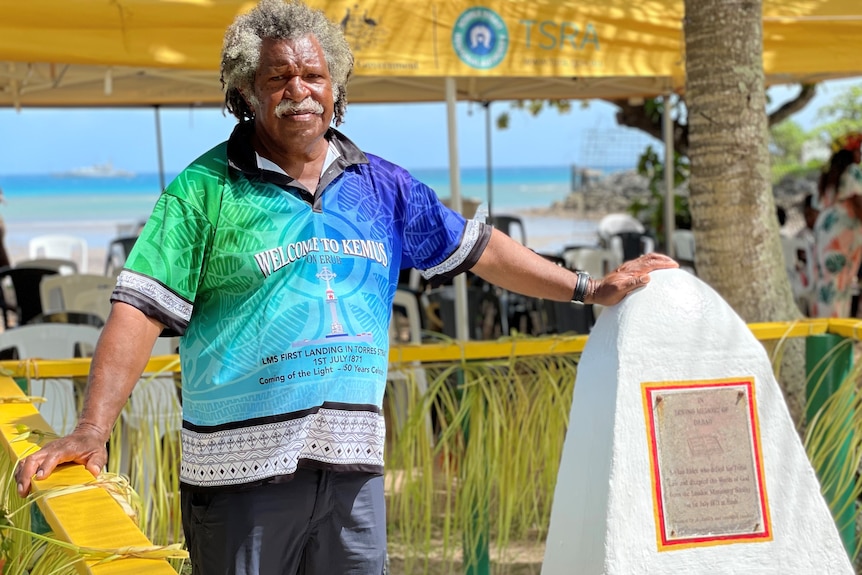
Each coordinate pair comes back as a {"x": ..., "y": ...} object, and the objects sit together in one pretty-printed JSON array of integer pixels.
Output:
[{"x": 850, "y": 141}]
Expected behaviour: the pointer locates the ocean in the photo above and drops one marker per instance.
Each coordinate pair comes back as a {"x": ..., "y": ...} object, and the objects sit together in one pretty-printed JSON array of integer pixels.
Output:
[{"x": 101, "y": 208}]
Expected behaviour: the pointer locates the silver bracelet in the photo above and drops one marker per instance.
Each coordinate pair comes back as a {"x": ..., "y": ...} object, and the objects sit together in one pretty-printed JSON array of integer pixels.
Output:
[{"x": 581, "y": 287}]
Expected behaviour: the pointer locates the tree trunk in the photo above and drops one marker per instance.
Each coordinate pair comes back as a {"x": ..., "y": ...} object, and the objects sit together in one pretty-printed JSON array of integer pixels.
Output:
[{"x": 733, "y": 211}]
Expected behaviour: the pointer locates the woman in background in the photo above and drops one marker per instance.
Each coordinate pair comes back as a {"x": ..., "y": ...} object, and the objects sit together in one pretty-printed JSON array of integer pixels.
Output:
[{"x": 838, "y": 232}]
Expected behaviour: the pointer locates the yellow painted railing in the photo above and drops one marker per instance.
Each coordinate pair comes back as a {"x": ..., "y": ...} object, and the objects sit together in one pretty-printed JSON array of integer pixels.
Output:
[
  {"x": 92, "y": 518},
  {"x": 88, "y": 518},
  {"x": 455, "y": 351}
]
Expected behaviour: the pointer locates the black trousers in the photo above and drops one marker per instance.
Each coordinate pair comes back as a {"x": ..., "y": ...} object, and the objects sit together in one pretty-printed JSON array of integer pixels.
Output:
[{"x": 319, "y": 522}]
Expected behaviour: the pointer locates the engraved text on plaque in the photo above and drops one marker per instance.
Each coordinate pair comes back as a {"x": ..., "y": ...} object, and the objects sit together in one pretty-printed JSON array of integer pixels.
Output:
[{"x": 706, "y": 462}]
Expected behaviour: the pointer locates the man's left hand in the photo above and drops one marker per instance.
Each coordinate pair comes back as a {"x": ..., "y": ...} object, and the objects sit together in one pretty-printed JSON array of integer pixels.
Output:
[{"x": 633, "y": 274}]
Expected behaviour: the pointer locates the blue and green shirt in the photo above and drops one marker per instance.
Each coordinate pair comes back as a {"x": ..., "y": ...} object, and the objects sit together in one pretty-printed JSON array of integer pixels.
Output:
[{"x": 283, "y": 300}]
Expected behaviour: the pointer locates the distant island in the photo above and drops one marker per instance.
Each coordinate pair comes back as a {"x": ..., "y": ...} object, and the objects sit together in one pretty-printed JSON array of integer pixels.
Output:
[{"x": 106, "y": 170}]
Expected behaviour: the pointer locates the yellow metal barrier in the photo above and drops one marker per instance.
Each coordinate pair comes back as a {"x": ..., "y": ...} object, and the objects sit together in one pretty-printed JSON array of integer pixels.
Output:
[
  {"x": 91, "y": 518},
  {"x": 88, "y": 518},
  {"x": 78, "y": 367},
  {"x": 456, "y": 351}
]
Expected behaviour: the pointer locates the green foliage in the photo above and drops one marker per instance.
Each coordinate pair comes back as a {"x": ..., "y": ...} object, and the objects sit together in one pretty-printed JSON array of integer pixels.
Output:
[
  {"x": 534, "y": 108},
  {"x": 153, "y": 465},
  {"x": 787, "y": 140},
  {"x": 651, "y": 212},
  {"x": 833, "y": 441},
  {"x": 654, "y": 109},
  {"x": 786, "y": 146},
  {"x": 490, "y": 468},
  {"x": 843, "y": 115}
]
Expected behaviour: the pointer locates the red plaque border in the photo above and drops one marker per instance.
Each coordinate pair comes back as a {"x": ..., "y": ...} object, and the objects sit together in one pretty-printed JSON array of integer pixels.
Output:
[{"x": 746, "y": 384}]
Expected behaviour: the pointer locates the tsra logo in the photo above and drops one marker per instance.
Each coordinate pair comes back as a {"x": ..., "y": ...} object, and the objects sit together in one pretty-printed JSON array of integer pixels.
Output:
[{"x": 480, "y": 38}]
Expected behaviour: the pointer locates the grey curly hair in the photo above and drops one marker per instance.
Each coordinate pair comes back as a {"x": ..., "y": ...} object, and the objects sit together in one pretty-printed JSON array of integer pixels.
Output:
[{"x": 281, "y": 20}]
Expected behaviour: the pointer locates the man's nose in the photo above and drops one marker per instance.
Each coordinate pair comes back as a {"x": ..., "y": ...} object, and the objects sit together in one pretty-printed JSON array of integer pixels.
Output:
[{"x": 296, "y": 89}]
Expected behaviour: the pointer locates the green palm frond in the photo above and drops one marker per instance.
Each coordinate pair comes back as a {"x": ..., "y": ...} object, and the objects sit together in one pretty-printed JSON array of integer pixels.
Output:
[
  {"x": 833, "y": 442},
  {"x": 487, "y": 469},
  {"x": 500, "y": 427}
]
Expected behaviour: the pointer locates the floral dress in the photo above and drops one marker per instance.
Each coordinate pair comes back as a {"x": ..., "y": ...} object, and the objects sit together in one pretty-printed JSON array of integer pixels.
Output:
[{"x": 837, "y": 247}]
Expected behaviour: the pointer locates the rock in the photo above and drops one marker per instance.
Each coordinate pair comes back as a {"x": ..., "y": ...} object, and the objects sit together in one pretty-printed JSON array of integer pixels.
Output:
[
  {"x": 612, "y": 193},
  {"x": 616, "y": 192},
  {"x": 791, "y": 190}
]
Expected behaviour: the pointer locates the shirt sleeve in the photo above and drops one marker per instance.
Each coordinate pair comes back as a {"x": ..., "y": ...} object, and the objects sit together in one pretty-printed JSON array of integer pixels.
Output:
[
  {"x": 437, "y": 240},
  {"x": 164, "y": 269}
]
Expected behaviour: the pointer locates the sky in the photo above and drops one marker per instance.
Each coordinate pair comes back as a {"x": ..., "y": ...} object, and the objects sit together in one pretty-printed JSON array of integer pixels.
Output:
[{"x": 37, "y": 141}]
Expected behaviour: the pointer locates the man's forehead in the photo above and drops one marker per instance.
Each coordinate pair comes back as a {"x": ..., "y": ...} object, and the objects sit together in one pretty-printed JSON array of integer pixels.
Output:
[
  {"x": 300, "y": 43},
  {"x": 305, "y": 50}
]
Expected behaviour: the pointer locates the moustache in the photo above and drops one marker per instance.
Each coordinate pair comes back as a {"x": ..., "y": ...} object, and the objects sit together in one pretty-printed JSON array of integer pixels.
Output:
[{"x": 289, "y": 107}]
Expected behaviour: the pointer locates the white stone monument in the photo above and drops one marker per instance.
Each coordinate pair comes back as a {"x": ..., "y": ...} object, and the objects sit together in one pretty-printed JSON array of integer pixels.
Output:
[{"x": 681, "y": 456}]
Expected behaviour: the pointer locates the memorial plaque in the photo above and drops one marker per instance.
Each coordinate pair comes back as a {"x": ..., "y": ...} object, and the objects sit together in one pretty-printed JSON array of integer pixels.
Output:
[{"x": 706, "y": 462}]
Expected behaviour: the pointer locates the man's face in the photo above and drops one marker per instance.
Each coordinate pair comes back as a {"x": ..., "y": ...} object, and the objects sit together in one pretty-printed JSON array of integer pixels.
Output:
[{"x": 293, "y": 101}]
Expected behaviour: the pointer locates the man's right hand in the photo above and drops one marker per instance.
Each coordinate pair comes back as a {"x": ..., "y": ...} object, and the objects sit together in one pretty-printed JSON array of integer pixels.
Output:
[{"x": 85, "y": 446}]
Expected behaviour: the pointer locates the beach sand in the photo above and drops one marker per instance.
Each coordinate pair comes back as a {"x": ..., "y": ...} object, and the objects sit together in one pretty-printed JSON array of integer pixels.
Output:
[
  {"x": 97, "y": 234},
  {"x": 550, "y": 231}
]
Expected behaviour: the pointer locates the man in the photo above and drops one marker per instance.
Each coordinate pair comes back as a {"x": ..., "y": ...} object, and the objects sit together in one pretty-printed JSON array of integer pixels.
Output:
[{"x": 276, "y": 255}]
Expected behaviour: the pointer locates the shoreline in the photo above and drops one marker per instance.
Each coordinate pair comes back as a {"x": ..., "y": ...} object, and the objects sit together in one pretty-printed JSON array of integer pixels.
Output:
[
  {"x": 546, "y": 229},
  {"x": 97, "y": 233}
]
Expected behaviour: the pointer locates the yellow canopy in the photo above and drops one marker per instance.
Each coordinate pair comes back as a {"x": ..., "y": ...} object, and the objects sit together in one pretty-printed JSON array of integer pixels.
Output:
[
  {"x": 148, "y": 52},
  {"x": 134, "y": 52}
]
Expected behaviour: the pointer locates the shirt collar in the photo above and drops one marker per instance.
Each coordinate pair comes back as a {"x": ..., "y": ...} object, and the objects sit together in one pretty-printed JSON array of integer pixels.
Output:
[
  {"x": 242, "y": 156},
  {"x": 266, "y": 164}
]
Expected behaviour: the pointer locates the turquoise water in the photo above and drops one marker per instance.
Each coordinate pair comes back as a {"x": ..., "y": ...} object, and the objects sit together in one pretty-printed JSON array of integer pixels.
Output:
[
  {"x": 102, "y": 208},
  {"x": 43, "y": 197}
]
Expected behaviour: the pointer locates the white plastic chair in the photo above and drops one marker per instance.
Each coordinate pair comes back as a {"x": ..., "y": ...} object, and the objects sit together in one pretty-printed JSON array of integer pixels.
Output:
[
  {"x": 598, "y": 262},
  {"x": 60, "y": 246},
  {"x": 80, "y": 292},
  {"x": 683, "y": 249},
  {"x": 512, "y": 226},
  {"x": 613, "y": 224},
  {"x": 645, "y": 245},
  {"x": 53, "y": 341},
  {"x": 399, "y": 380},
  {"x": 62, "y": 266},
  {"x": 156, "y": 397},
  {"x": 118, "y": 252}
]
